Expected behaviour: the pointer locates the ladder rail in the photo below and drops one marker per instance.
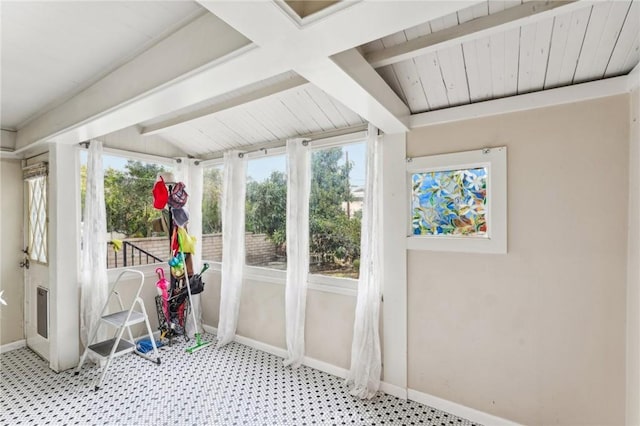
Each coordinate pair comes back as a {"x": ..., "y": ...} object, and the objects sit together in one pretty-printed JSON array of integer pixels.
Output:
[{"x": 121, "y": 320}]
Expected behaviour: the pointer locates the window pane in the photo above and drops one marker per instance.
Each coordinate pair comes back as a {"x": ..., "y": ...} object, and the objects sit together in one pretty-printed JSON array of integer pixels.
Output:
[
  {"x": 266, "y": 212},
  {"x": 335, "y": 210},
  {"x": 137, "y": 232},
  {"x": 212, "y": 214},
  {"x": 450, "y": 202},
  {"x": 38, "y": 219}
]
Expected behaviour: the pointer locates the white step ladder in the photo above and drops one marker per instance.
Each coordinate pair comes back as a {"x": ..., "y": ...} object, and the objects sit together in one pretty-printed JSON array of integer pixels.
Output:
[{"x": 121, "y": 320}]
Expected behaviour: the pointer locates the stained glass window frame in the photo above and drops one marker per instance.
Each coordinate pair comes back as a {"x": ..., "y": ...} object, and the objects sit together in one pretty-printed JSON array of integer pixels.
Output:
[{"x": 494, "y": 160}]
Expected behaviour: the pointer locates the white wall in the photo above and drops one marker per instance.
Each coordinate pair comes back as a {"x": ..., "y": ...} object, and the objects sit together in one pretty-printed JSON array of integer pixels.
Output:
[
  {"x": 11, "y": 245},
  {"x": 537, "y": 335}
]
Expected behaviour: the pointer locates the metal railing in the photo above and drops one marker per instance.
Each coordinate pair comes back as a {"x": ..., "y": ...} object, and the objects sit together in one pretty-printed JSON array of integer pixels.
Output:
[{"x": 130, "y": 252}]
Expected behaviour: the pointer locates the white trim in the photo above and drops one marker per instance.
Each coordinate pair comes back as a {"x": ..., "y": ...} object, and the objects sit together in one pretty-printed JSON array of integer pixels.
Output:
[
  {"x": 339, "y": 140},
  {"x": 332, "y": 288},
  {"x": 459, "y": 410},
  {"x": 18, "y": 344},
  {"x": 393, "y": 390},
  {"x": 140, "y": 156},
  {"x": 316, "y": 282},
  {"x": 633, "y": 78},
  {"x": 325, "y": 367},
  {"x": 214, "y": 162},
  {"x": 495, "y": 160},
  {"x": 136, "y": 155},
  {"x": 546, "y": 98}
]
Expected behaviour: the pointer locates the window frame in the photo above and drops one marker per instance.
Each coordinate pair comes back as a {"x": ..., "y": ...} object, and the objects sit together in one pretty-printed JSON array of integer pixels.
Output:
[
  {"x": 318, "y": 282},
  {"x": 147, "y": 269},
  {"x": 45, "y": 235},
  {"x": 495, "y": 161}
]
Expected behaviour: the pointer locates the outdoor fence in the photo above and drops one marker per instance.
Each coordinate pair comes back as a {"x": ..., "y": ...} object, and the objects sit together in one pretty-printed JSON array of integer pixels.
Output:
[{"x": 143, "y": 251}]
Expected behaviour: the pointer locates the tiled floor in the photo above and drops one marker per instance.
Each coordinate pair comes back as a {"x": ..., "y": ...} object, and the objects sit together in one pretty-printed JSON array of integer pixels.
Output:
[{"x": 236, "y": 385}]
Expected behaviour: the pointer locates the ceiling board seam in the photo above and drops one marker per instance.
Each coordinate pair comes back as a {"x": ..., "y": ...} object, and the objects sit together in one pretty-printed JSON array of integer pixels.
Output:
[
  {"x": 546, "y": 69},
  {"x": 586, "y": 30},
  {"x": 466, "y": 73},
  {"x": 617, "y": 38}
]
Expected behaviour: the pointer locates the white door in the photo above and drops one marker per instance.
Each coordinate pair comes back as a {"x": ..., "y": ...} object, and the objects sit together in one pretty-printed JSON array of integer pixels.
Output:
[{"x": 36, "y": 269}]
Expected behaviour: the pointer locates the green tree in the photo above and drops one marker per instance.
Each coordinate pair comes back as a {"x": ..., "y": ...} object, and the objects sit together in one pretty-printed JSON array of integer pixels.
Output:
[
  {"x": 334, "y": 237},
  {"x": 211, "y": 196},
  {"x": 128, "y": 198},
  {"x": 266, "y": 207}
]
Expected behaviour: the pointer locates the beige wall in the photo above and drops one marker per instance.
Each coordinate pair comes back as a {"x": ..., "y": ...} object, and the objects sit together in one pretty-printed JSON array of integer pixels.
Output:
[
  {"x": 538, "y": 335},
  {"x": 329, "y": 323},
  {"x": 11, "y": 282},
  {"x": 633, "y": 267}
]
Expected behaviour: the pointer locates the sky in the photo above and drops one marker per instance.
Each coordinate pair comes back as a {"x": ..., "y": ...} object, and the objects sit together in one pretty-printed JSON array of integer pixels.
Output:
[{"x": 260, "y": 169}]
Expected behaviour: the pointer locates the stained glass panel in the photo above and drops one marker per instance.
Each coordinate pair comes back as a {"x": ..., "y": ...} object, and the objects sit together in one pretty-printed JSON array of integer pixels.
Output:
[{"x": 450, "y": 202}]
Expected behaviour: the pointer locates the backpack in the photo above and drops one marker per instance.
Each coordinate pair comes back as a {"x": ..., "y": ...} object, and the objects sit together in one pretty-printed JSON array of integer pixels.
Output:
[{"x": 178, "y": 196}]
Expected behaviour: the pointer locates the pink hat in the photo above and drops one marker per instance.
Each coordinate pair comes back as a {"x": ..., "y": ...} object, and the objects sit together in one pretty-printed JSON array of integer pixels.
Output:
[{"x": 160, "y": 194}]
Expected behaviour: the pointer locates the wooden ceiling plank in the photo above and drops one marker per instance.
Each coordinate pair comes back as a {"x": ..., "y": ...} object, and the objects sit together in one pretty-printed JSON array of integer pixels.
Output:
[
  {"x": 233, "y": 102},
  {"x": 568, "y": 33},
  {"x": 602, "y": 32},
  {"x": 323, "y": 101},
  {"x": 428, "y": 67},
  {"x": 408, "y": 77},
  {"x": 511, "y": 58},
  {"x": 526, "y": 13},
  {"x": 626, "y": 45},
  {"x": 454, "y": 76}
]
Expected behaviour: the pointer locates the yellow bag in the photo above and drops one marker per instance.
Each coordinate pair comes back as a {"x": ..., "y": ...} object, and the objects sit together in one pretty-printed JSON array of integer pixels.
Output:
[{"x": 188, "y": 242}]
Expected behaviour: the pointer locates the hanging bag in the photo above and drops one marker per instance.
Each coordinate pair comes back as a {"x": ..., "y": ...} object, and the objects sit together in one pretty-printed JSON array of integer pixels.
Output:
[{"x": 178, "y": 196}]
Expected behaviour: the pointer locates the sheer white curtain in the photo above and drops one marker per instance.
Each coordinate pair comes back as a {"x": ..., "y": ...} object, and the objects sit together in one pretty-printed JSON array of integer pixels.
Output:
[
  {"x": 94, "y": 284},
  {"x": 233, "y": 198},
  {"x": 298, "y": 188},
  {"x": 191, "y": 174},
  {"x": 366, "y": 363}
]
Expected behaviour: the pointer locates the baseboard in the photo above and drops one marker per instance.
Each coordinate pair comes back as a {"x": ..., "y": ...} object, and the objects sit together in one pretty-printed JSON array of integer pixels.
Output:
[
  {"x": 282, "y": 353},
  {"x": 325, "y": 367},
  {"x": 393, "y": 390},
  {"x": 13, "y": 346},
  {"x": 459, "y": 410}
]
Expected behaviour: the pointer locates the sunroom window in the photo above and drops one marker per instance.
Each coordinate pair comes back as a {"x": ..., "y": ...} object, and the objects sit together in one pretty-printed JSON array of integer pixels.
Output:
[
  {"x": 266, "y": 212},
  {"x": 137, "y": 233},
  {"x": 335, "y": 210}
]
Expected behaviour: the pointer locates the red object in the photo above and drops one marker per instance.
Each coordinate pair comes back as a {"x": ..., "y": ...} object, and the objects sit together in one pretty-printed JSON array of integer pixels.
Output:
[{"x": 160, "y": 194}]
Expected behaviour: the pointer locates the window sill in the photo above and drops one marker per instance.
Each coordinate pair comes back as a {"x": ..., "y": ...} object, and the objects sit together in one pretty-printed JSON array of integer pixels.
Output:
[{"x": 343, "y": 286}]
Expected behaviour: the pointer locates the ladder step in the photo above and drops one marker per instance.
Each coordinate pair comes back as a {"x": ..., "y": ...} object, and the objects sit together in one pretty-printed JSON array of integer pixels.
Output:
[
  {"x": 119, "y": 319},
  {"x": 104, "y": 348}
]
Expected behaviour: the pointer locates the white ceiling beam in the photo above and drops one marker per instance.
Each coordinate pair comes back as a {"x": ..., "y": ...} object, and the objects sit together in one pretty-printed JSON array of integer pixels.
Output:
[
  {"x": 306, "y": 49},
  {"x": 484, "y": 26},
  {"x": 351, "y": 80},
  {"x": 186, "y": 55},
  {"x": 260, "y": 93},
  {"x": 542, "y": 99},
  {"x": 266, "y": 23},
  {"x": 169, "y": 76}
]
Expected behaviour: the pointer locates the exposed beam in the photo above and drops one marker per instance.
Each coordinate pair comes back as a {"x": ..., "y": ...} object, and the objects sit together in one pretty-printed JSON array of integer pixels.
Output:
[
  {"x": 172, "y": 62},
  {"x": 177, "y": 73},
  {"x": 542, "y": 99},
  {"x": 307, "y": 49},
  {"x": 254, "y": 95},
  {"x": 351, "y": 80},
  {"x": 513, "y": 17}
]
